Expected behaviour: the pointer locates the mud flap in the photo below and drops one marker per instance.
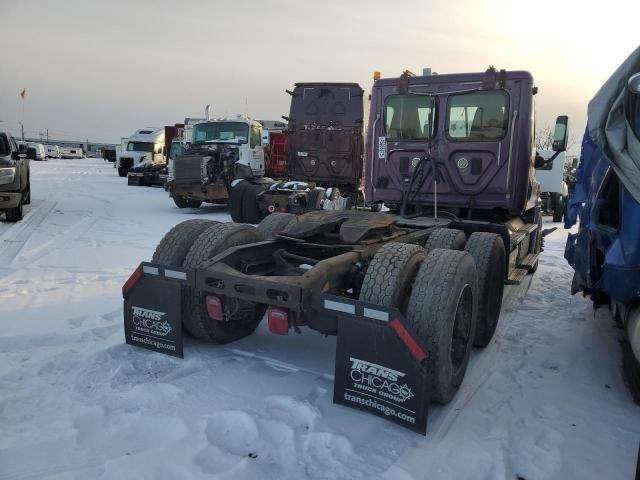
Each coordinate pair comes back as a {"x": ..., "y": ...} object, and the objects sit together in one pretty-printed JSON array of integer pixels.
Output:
[
  {"x": 380, "y": 363},
  {"x": 153, "y": 308}
]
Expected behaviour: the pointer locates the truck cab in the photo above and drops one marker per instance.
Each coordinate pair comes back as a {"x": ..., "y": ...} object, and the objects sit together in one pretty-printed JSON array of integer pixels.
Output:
[
  {"x": 242, "y": 135},
  {"x": 219, "y": 152},
  {"x": 459, "y": 142},
  {"x": 146, "y": 144}
]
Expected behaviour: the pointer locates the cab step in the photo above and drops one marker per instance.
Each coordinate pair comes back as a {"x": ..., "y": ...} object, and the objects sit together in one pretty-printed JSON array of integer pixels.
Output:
[
  {"x": 529, "y": 261},
  {"x": 516, "y": 275},
  {"x": 528, "y": 228},
  {"x": 517, "y": 238}
]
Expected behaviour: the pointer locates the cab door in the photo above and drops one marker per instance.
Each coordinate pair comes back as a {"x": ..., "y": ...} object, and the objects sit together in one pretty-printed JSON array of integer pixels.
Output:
[{"x": 256, "y": 150}]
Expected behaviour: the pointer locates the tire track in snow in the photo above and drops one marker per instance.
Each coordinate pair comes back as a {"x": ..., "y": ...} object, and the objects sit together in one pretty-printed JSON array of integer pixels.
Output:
[{"x": 12, "y": 242}]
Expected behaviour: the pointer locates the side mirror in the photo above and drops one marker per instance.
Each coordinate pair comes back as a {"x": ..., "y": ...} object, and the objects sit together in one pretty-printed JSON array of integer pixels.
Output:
[
  {"x": 560, "y": 134},
  {"x": 22, "y": 148},
  {"x": 539, "y": 161},
  {"x": 634, "y": 83}
]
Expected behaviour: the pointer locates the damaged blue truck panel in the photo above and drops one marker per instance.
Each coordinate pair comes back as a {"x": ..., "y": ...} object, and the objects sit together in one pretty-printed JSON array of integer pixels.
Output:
[{"x": 605, "y": 252}]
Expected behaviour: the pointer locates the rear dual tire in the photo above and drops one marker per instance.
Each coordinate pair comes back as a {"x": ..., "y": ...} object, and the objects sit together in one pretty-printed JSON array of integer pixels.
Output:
[
  {"x": 245, "y": 316},
  {"x": 438, "y": 295},
  {"x": 243, "y": 203},
  {"x": 274, "y": 223},
  {"x": 192, "y": 244},
  {"x": 487, "y": 250},
  {"x": 447, "y": 238}
]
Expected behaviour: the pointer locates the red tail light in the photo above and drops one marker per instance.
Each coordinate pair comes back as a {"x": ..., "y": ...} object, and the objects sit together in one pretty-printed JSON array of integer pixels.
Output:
[
  {"x": 133, "y": 279},
  {"x": 214, "y": 307},
  {"x": 278, "y": 321}
]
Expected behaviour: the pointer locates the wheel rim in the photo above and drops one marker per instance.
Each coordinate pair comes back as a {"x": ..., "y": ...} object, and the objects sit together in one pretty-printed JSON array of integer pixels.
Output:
[{"x": 461, "y": 328}]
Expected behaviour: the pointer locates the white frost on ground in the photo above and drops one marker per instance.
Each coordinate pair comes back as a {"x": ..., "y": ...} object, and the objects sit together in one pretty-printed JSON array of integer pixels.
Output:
[{"x": 545, "y": 400}]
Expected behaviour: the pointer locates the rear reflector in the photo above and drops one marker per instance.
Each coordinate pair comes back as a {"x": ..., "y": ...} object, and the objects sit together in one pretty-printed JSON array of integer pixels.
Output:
[
  {"x": 339, "y": 307},
  {"x": 376, "y": 314},
  {"x": 214, "y": 307},
  {"x": 408, "y": 340},
  {"x": 175, "y": 274},
  {"x": 150, "y": 270},
  {"x": 133, "y": 279},
  {"x": 278, "y": 321},
  {"x": 271, "y": 208}
]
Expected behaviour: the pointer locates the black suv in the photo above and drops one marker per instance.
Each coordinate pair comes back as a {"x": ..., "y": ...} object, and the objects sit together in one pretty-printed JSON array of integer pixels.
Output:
[{"x": 15, "y": 189}]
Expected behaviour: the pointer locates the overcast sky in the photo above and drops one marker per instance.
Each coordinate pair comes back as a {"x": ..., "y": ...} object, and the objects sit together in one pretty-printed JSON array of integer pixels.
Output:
[{"x": 101, "y": 69}]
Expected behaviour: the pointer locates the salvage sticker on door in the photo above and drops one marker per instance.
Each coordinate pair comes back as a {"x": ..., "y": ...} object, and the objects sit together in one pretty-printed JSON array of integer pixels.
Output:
[
  {"x": 382, "y": 147},
  {"x": 386, "y": 380}
]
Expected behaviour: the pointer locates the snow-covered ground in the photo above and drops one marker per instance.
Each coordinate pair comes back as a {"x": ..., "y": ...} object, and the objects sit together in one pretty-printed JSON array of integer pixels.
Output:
[{"x": 545, "y": 400}]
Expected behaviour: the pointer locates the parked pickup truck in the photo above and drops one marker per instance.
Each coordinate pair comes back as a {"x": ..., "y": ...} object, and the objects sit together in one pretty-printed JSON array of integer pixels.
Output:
[{"x": 15, "y": 190}]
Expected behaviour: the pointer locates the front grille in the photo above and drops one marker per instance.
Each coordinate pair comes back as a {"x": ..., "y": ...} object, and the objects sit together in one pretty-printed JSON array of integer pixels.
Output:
[
  {"x": 126, "y": 162},
  {"x": 188, "y": 168}
]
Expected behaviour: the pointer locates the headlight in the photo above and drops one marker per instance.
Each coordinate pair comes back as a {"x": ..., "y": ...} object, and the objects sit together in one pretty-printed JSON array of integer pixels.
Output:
[{"x": 7, "y": 175}]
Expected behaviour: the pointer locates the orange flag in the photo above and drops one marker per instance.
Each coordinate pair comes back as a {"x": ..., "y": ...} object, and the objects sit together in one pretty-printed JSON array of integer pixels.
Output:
[{"x": 23, "y": 93}]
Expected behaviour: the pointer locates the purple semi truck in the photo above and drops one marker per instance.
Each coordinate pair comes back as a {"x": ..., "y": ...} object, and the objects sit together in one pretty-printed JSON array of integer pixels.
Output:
[{"x": 408, "y": 291}]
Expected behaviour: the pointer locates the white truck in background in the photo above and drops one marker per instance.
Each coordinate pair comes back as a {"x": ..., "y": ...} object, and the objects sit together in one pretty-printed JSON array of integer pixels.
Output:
[
  {"x": 71, "y": 152},
  {"x": 552, "y": 184},
  {"x": 144, "y": 144},
  {"x": 52, "y": 151},
  {"x": 39, "y": 151}
]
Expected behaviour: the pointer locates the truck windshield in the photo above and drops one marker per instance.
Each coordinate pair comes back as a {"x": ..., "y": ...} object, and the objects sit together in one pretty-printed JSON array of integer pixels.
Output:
[
  {"x": 478, "y": 116},
  {"x": 409, "y": 117},
  {"x": 177, "y": 149},
  {"x": 221, "y": 131},
  {"x": 139, "y": 147}
]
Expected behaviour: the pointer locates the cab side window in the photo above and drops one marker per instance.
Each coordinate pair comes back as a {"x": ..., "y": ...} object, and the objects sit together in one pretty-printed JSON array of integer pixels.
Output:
[
  {"x": 255, "y": 137},
  {"x": 5, "y": 149}
]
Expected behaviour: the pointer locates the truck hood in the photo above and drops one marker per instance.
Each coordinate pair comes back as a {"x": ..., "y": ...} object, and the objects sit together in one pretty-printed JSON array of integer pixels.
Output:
[{"x": 610, "y": 130}]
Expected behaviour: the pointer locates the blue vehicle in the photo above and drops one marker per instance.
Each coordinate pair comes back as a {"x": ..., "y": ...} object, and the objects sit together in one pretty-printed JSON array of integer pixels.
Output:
[{"x": 605, "y": 253}]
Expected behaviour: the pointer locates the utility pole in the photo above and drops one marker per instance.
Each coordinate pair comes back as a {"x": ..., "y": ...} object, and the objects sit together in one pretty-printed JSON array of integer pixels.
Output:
[
  {"x": 22, "y": 128},
  {"x": 47, "y": 135}
]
